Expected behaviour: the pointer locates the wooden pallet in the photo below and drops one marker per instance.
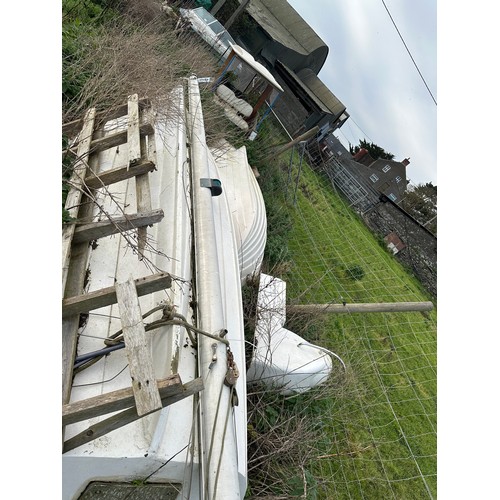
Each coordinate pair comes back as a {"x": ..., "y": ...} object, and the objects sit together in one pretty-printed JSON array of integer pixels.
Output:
[{"x": 146, "y": 394}]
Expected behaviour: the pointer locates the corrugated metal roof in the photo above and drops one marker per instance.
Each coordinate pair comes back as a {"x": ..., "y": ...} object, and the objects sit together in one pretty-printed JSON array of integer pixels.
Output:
[{"x": 284, "y": 25}]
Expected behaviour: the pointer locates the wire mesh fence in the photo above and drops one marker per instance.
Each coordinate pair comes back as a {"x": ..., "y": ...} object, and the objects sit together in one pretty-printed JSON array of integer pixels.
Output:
[{"x": 371, "y": 432}]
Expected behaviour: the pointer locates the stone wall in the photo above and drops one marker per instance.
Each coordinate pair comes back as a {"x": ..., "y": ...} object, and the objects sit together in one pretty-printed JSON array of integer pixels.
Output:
[{"x": 420, "y": 252}]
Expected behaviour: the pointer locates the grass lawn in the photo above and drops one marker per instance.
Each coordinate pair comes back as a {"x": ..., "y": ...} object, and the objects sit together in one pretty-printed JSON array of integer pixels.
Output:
[{"x": 375, "y": 426}]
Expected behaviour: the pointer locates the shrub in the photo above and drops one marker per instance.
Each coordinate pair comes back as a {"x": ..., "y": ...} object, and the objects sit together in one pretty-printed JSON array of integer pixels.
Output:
[{"x": 355, "y": 273}]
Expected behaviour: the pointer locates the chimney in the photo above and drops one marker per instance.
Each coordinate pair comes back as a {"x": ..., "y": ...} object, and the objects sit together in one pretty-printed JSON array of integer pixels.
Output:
[
  {"x": 362, "y": 152},
  {"x": 406, "y": 162}
]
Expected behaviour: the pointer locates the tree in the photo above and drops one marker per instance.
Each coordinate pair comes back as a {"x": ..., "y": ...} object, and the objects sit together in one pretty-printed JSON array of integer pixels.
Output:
[
  {"x": 420, "y": 202},
  {"x": 375, "y": 151}
]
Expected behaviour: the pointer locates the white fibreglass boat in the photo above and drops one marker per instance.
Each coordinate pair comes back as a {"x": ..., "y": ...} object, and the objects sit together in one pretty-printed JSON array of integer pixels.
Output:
[{"x": 210, "y": 240}]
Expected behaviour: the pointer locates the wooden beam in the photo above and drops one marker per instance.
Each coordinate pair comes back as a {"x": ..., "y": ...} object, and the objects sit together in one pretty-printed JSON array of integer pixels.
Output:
[
  {"x": 115, "y": 401},
  {"x": 217, "y": 7},
  {"x": 143, "y": 197},
  {"x": 236, "y": 14},
  {"x": 107, "y": 296},
  {"x": 101, "y": 229},
  {"x": 72, "y": 127},
  {"x": 305, "y": 136},
  {"x": 74, "y": 286},
  {"x": 118, "y": 174},
  {"x": 260, "y": 102},
  {"x": 76, "y": 278},
  {"x": 361, "y": 308},
  {"x": 75, "y": 193},
  {"x": 138, "y": 349},
  {"x": 133, "y": 135},
  {"x": 126, "y": 417},
  {"x": 118, "y": 138}
]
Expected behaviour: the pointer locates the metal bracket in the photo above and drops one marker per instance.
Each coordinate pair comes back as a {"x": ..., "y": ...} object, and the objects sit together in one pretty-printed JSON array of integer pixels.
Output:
[{"x": 214, "y": 185}]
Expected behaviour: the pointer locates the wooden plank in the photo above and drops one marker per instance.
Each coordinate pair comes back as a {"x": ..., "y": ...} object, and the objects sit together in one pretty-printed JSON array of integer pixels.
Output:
[
  {"x": 126, "y": 417},
  {"x": 75, "y": 194},
  {"x": 71, "y": 128},
  {"x": 361, "y": 308},
  {"x": 133, "y": 135},
  {"x": 119, "y": 174},
  {"x": 138, "y": 349},
  {"x": 75, "y": 283},
  {"x": 75, "y": 286},
  {"x": 107, "y": 296},
  {"x": 115, "y": 401},
  {"x": 143, "y": 197},
  {"x": 101, "y": 229},
  {"x": 118, "y": 138}
]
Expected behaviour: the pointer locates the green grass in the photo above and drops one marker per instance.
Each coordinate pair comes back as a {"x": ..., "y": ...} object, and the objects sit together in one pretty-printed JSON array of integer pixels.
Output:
[{"x": 378, "y": 424}]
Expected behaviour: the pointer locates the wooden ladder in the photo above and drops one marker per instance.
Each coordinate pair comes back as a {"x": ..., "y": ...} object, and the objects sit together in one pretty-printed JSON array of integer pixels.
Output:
[{"x": 146, "y": 394}]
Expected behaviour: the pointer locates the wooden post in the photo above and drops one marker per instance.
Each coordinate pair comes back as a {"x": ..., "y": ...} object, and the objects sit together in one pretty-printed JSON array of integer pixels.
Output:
[
  {"x": 138, "y": 349},
  {"x": 226, "y": 64},
  {"x": 236, "y": 14},
  {"x": 260, "y": 102},
  {"x": 217, "y": 7},
  {"x": 361, "y": 308},
  {"x": 305, "y": 136}
]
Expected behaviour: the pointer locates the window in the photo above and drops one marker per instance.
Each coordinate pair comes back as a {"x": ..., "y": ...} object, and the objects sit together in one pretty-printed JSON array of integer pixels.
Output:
[
  {"x": 398, "y": 179},
  {"x": 392, "y": 196},
  {"x": 386, "y": 168},
  {"x": 374, "y": 177}
]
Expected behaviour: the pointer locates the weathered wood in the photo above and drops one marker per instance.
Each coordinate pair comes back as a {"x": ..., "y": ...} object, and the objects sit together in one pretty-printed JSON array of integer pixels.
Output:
[
  {"x": 138, "y": 349},
  {"x": 126, "y": 417},
  {"x": 71, "y": 128},
  {"x": 107, "y": 296},
  {"x": 133, "y": 135},
  {"x": 143, "y": 196},
  {"x": 75, "y": 194},
  {"x": 119, "y": 174},
  {"x": 118, "y": 138},
  {"x": 75, "y": 286},
  {"x": 76, "y": 277},
  {"x": 361, "y": 308},
  {"x": 101, "y": 229},
  {"x": 304, "y": 137},
  {"x": 236, "y": 14},
  {"x": 115, "y": 401}
]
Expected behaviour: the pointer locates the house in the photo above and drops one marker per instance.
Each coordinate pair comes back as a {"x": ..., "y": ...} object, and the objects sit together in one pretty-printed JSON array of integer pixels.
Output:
[
  {"x": 379, "y": 178},
  {"x": 277, "y": 36},
  {"x": 376, "y": 188}
]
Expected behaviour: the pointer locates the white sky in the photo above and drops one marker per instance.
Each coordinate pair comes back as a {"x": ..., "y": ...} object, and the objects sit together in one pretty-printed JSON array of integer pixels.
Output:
[{"x": 369, "y": 69}]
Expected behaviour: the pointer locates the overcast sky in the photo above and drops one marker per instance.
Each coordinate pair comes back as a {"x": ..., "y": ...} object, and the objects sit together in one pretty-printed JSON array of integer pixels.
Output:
[{"x": 369, "y": 69}]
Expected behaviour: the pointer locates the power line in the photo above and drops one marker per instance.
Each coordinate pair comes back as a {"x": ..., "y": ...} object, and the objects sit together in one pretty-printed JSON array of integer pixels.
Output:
[
  {"x": 364, "y": 133},
  {"x": 408, "y": 50}
]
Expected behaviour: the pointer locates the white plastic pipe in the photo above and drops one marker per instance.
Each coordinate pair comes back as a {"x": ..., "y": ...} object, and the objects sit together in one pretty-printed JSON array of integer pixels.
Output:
[{"x": 219, "y": 446}]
